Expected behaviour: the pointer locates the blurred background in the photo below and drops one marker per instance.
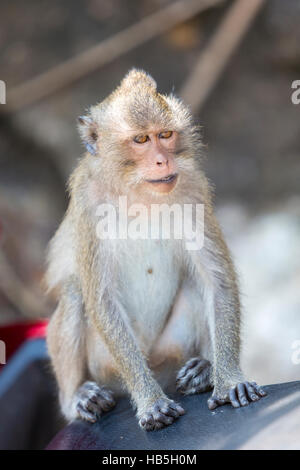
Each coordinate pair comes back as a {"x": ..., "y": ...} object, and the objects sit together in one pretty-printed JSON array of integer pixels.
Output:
[{"x": 234, "y": 64}]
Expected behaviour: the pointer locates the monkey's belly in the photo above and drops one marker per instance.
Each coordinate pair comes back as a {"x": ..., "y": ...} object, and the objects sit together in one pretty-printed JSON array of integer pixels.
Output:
[
  {"x": 186, "y": 332},
  {"x": 149, "y": 281}
]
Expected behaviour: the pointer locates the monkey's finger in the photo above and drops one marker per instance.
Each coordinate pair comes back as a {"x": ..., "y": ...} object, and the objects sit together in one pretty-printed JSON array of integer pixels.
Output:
[
  {"x": 158, "y": 425},
  {"x": 102, "y": 398},
  {"x": 170, "y": 412},
  {"x": 201, "y": 380},
  {"x": 259, "y": 390},
  {"x": 147, "y": 420},
  {"x": 105, "y": 401},
  {"x": 191, "y": 363},
  {"x": 92, "y": 406},
  {"x": 106, "y": 395},
  {"x": 233, "y": 398},
  {"x": 98, "y": 403},
  {"x": 241, "y": 393},
  {"x": 182, "y": 384},
  {"x": 182, "y": 375},
  {"x": 173, "y": 412},
  {"x": 214, "y": 402},
  {"x": 187, "y": 372},
  {"x": 184, "y": 378},
  {"x": 190, "y": 375},
  {"x": 251, "y": 392},
  {"x": 192, "y": 368},
  {"x": 177, "y": 408},
  {"x": 106, "y": 405},
  {"x": 160, "y": 413},
  {"x": 164, "y": 404},
  {"x": 149, "y": 426},
  {"x": 85, "y": 414},
  {"x": 162, "y": 418},
  {"x": 149, "y": 423}
]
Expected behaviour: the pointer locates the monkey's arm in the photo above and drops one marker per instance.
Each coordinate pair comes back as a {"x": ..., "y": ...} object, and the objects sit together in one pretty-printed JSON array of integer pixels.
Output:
[
  {"x": 213, "y": 263},
  {"x": 65, "y": 341},
  {"x": 110, "y": 322}
]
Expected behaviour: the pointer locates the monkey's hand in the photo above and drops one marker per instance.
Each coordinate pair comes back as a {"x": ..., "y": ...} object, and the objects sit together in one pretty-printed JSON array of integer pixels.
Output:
[
  {"x": 240, "y": 395},
  {"x": 161, "y": 413},
  {"x": 92, "y": 400}
]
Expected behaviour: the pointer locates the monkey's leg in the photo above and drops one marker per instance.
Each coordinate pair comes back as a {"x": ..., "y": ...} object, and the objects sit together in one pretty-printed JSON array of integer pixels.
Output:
[
  {"x": 66, "y": 344},
  {"x": 195, "y": 377}
]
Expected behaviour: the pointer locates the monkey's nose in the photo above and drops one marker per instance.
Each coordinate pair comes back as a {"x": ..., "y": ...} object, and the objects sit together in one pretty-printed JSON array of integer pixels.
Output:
[{"x": 161, "y": 160}]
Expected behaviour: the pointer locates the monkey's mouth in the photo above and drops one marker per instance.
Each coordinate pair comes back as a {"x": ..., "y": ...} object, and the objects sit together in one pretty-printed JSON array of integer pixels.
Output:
[{"x": 166, "y": 179}]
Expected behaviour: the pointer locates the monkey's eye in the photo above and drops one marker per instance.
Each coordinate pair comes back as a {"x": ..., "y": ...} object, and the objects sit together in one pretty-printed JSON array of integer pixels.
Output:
[
  {"x": 165, "y": 135},
  {"x": 141, "y": 139}
]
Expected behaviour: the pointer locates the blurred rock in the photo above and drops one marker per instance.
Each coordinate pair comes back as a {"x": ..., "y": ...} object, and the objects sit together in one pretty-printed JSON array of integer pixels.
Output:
[{"x": 266, "y": 250}]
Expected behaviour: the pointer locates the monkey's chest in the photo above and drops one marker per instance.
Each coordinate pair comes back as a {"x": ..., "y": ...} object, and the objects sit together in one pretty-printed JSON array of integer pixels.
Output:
[{"x": 148, "y": 282}]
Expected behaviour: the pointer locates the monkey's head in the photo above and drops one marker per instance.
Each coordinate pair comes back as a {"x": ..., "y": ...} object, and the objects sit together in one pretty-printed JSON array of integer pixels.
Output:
[{"x": 140, "y": 137}]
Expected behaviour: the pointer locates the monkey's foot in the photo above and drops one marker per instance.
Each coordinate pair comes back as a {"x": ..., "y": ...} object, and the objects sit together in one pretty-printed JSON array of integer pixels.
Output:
[
  {"x": 240, "y": 395},
  {"x": 162, "y": 413},
  {"x": 194, "y": 377},
  {"x": 92, "y": 401}
]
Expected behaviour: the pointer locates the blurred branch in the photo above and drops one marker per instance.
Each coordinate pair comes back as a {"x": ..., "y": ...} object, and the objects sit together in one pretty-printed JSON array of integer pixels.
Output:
[
  {"x": 215, "y": 56},
  {"x": 108, "y": 50}
]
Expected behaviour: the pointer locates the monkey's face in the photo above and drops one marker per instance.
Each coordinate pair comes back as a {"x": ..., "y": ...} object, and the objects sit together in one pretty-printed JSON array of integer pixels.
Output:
[
  {"x": 152, "y": 153},
  {"x": 140, "y": 139}
]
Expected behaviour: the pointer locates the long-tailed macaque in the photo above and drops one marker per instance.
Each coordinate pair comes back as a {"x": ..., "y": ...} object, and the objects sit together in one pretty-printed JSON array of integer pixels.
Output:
[{"x": 142, "y": 314}]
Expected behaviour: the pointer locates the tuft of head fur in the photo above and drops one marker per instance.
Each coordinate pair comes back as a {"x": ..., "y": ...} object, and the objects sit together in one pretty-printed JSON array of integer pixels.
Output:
[
  {"x": 137, "y": 77},
  {"x": 135, "y": 104}
]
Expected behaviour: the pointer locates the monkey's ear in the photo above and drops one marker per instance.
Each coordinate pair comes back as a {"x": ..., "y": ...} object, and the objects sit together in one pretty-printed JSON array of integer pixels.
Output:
[{"x": 88, "y": 132}]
